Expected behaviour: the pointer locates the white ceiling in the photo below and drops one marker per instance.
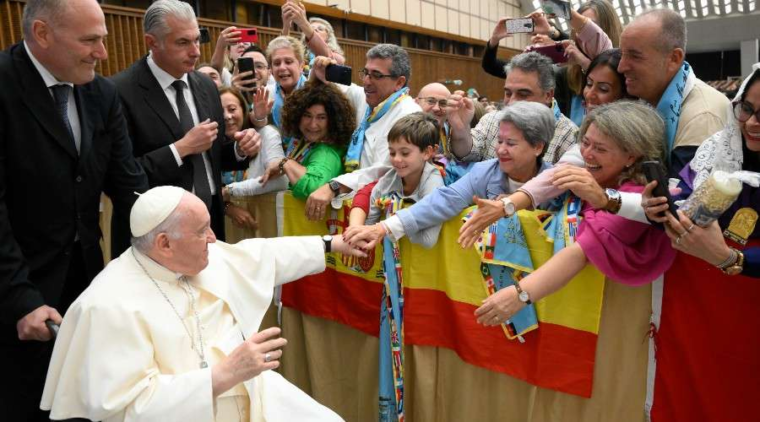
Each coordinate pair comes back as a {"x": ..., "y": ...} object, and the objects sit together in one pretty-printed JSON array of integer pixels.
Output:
[{"x": 712, "y": 25}]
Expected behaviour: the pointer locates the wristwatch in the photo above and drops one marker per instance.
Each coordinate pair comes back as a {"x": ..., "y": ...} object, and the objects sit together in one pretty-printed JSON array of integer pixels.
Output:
[
  {"x": 614, "y": 201},
  {"x": 509, "y": 207},
  {"x": 335, "y": 187},
  {"x": 735, "y": 267},
  {"x": 327, "y": 239},
  {"x": 522, "y": 294}
]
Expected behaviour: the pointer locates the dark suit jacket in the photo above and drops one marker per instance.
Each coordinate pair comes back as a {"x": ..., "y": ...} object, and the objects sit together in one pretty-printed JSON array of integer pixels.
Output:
[
  {"x": 48, "y": 193},
  {"x": 153, "y": 127}
]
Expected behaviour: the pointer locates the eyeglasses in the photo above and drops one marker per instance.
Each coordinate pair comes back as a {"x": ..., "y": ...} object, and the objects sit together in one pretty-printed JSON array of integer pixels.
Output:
[
  {"x": 431, "y": 101},
  {"x": 375, "y": 75},
  {"x": 260, "y": 66},
  {"x": 744, "y": 111}
]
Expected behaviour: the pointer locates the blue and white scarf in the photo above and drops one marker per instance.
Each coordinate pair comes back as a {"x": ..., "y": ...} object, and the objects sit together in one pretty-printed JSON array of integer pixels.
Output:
[
  {"x": 671, "y": 102},
  {"x": 354, "y": 153},
  {"x": 279, "y": 101}
]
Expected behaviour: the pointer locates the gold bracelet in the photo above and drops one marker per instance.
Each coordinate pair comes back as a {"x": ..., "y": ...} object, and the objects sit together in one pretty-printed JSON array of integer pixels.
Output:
[{"x": 282, "y": 165}]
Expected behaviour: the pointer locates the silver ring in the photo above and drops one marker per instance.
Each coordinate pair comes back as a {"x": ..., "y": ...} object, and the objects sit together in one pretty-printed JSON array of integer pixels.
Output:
[
  {"x": 690, "y": 228},
  {"x": 267, "y": 357},
  {"x": 678, "y": 240}
]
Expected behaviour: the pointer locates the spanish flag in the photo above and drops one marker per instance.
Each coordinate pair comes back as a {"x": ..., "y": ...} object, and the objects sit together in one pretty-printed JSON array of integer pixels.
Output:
[{"x": 442, "y": 288}]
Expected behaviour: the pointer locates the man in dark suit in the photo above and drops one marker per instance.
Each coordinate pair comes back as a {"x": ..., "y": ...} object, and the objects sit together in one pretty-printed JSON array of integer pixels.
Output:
[
  {"x": 63, "y": 141},
  {"x": 174, "y": 113}
]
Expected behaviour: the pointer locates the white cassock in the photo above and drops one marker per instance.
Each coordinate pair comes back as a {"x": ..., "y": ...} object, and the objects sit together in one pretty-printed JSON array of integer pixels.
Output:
[{"x": 123, "y": 355}]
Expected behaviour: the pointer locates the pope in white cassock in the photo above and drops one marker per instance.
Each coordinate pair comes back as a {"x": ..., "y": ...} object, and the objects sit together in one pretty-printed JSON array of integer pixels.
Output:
[{"x": 169, "y": 330}]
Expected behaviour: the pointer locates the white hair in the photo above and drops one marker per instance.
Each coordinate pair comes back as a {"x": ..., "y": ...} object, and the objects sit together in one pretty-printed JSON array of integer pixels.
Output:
[{"x": 170, "y": 226}]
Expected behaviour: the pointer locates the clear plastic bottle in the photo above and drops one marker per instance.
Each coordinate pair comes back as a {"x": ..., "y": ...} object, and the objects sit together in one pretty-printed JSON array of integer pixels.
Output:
[{"x": 712, "y": 198}]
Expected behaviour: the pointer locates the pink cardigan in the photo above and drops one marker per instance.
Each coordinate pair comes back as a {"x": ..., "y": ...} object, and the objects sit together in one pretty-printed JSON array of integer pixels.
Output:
[{"x": 625, "y": 251}]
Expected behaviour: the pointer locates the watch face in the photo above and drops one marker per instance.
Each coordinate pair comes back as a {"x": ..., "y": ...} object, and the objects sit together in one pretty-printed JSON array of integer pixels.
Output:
[
  {"x": 523, "y": 296},
  {"x": 733, "y": 270},
  {"x": 509, "y": 206}
]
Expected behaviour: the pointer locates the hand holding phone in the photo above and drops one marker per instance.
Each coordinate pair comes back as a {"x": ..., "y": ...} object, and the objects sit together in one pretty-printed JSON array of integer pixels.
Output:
[
  {"x": 654, "y": 170},
  {"x": 338, "y": 74},
  {"x": 250, "y": 35},
  {"x": 558, "y": 8},
  {"x": 556, "y": 52},
  {"x": 518, "y": 26},
  {"x": 245, "y": 64}
]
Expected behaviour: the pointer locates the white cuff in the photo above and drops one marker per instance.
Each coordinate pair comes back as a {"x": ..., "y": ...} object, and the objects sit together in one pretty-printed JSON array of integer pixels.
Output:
[
  {"x": 176, "y": 155},
  {"x": 238, "y": 156},
  {"x": 630, "y": 207},
  {"x": 395, "y": 228}
]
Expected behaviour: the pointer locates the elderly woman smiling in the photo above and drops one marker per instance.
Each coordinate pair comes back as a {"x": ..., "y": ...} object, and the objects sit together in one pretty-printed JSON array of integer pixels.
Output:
[
  {"x": 525, "y": 129},
  {"x": 615, "y": 139}
]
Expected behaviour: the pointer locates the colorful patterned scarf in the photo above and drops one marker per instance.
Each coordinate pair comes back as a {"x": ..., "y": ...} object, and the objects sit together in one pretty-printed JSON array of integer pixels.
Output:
[
  {"x": 298, "y": 150},
  {"x": 354, "y": 153},
  {"x": 505, "y": 260},
  {"x": 392, "y": 326},
  {"x": 505, "y": 257}
]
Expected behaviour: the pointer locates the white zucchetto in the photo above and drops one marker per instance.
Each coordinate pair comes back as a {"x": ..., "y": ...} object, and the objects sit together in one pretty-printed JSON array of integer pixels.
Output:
[{"x": 152, "y": 208}]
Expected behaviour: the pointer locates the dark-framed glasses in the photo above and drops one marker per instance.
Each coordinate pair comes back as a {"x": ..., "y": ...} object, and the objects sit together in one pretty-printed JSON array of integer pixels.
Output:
[
  {"x": 743, "y": 111},
  {"x": 431, "y": 101},
  {"x": 374, "y": 75}
]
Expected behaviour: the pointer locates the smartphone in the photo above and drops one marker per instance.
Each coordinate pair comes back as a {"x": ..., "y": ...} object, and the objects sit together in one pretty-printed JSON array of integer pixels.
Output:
[
  {"x": 249, "y": 35},
  {"x": 556, "y": 52},
  {"x": 654, "y": 170},
  {"x": 338, "y": 74},
  {"x": 245, "y": 64},
  {"x": 558, "y": 8},
  {"x": 517, "y": 26},
  {"x": 205, "y": 37}
]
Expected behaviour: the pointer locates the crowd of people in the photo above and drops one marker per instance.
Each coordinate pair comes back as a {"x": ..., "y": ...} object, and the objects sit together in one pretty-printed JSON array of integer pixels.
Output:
[{"x": 188, "y": 137}]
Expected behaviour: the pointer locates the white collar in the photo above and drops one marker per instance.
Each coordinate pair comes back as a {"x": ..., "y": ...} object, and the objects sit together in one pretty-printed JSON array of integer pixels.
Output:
[
  {"x": 164, "y": 79},
  {"x": 154, "y": 269},
  {"x": 48, "y": 77}
]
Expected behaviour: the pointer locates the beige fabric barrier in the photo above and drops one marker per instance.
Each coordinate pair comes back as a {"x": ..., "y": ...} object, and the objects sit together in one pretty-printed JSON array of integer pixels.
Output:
[{"x": 338, "y": 366}]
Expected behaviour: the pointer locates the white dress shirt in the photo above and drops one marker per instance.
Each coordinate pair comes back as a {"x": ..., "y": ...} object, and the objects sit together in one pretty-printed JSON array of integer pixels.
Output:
[
  {"x": 165, "y": 81},
  {"x": 51, "y": 81}
]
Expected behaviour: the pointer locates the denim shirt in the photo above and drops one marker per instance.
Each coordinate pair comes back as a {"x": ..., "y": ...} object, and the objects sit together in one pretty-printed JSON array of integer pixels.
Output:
[{"x": 486, "y": 180}]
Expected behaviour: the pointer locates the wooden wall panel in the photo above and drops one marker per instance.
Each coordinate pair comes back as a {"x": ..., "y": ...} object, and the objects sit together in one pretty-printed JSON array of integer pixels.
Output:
[{"x": 125, "y": 45}]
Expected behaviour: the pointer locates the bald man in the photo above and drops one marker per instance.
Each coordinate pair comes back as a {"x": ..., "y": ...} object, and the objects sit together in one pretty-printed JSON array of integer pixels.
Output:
[
  {"x": 432, "y": 98},
  {"x": 653, "y": 62}
]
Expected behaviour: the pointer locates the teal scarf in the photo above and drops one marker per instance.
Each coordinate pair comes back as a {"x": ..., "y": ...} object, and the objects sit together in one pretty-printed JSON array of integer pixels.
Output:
[
  {"x": 670, "y": 104},
  {"x": 279, "y": 101},
  {"x": 505, "y": 261},
  {"x": 354, "y": 153}
]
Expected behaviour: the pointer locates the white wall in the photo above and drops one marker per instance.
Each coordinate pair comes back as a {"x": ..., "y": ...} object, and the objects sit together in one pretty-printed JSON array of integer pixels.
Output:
[{"x": 467, "y": 18}]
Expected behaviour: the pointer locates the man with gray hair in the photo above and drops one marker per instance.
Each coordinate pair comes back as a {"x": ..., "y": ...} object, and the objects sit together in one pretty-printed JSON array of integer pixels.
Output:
[
  {"x": 529, "y": 78},
  {"x": 63, "y": 141},
  {"x": 385, "y": 78},
  {"x": 654, "y": 48},
  {"x": 174, "y": 113},
  {"x": 169, "y": 331}
]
